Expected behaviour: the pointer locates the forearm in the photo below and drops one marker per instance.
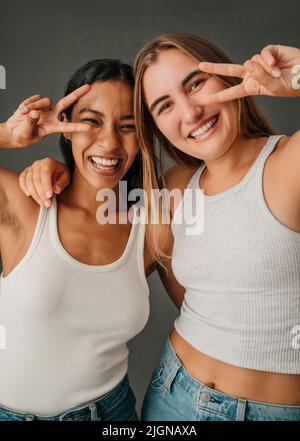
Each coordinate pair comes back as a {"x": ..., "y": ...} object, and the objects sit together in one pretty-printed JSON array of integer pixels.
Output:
[{"x": 5, "y": 137}]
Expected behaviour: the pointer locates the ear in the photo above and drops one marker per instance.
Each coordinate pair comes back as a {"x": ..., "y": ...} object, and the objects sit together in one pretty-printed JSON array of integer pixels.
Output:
[{"x": 67, "y": 135}]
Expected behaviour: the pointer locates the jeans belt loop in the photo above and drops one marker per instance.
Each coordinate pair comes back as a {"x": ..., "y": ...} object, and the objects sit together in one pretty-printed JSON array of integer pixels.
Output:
[
  {"x": 171, "y": 377},
  {"x": 30, "y": 417},
  {"x": 93, "y": 409},
  {"x": 241, "y": 410}
]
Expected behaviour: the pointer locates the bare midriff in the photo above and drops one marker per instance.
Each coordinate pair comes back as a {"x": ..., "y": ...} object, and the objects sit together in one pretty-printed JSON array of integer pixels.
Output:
[{"x": 266, "y": 387}]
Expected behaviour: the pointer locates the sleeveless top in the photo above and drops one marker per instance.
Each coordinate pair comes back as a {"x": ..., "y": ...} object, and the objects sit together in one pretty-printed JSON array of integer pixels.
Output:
[
  {"x": 242, "y": 277},
  {"x": 65, "y": 324}
]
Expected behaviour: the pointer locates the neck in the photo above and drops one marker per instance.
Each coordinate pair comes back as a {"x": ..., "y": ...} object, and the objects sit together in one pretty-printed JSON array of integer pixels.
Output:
[
  {"x": 241, "y": 154},
  {"x": 81, "y": 194}
]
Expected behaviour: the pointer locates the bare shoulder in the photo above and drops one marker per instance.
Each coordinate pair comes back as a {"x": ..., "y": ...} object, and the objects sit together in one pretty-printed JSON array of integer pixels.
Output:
[
  {"x": 288, "y": 147},
  {"x": 281, "y": 182},
  {"x": 284, "y": 162}
]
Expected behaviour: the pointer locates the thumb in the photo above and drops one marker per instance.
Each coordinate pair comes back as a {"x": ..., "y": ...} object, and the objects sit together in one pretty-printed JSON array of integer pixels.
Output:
[
  {"x": 30, "y": 124},
  {"x": 270, "y": 53}
]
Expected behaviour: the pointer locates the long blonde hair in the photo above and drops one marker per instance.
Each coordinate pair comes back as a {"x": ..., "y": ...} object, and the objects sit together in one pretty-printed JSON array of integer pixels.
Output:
[{"x": 252, "y": 123}]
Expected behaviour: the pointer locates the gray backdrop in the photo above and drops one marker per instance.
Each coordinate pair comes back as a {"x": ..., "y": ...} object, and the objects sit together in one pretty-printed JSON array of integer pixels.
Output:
[{"x": 43, "y": 42}]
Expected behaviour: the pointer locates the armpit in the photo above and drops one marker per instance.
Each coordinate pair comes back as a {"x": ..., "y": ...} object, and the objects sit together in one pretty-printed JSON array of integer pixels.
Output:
[{"x": 10, "y": 221}]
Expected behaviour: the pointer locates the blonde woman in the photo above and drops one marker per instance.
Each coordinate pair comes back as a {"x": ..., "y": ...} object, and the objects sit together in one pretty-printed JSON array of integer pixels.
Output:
[{"x": 234, "y": 353}]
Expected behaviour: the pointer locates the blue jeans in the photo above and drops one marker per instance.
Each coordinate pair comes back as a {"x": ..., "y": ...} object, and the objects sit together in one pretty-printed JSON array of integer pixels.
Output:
[
  {"x": 116, "y": 405},
  {"x": 174, "y": 395}
]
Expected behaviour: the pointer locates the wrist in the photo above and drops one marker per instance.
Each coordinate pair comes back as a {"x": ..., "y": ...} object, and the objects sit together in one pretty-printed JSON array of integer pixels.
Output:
[{"x": 5, "y": 137}]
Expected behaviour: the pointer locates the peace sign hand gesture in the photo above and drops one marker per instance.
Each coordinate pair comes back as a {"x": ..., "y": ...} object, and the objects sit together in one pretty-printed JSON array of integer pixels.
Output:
[
  {"x": 35, "y": 119},
  {"x": 273, "y": 72}
]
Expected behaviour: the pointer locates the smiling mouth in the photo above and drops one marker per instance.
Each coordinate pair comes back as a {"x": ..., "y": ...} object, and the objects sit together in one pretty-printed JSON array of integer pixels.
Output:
[
  {"x": 205, "y": 128},
  {"x": 101, "y": 163}
]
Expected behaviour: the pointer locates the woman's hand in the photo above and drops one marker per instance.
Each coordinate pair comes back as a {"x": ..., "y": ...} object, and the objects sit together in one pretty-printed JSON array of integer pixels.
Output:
[
  {"x": 274, "y": 72},
  {"x": 44, "y": 178},
  {"x": 35, "y": 119}
]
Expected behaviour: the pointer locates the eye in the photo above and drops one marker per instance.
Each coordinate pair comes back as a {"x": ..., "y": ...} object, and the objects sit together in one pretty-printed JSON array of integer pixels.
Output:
[
  {"x": 128, "y": 128},
  {"x": 164, "y": 107},
  {"x": 91, "y": 120},
  {"x": 195, "y": 84}
]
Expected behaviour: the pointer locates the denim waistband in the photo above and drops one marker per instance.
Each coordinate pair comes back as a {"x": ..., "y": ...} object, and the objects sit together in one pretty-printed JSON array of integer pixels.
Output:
[
  {"x": 88, "y": 411},
  {"x": 215, "y": 401}
]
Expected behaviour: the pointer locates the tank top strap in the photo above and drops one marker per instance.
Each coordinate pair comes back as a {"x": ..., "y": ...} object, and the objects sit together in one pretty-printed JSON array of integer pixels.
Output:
[
  {"x": 262, "y": 158},
  {"x": 134, "y": 246},
  {"x": 267, "y": 150},
  {"x": 256, "y": 167},
  {"x": 194, "y": 181},
  {"x": 38, "y": 232}
]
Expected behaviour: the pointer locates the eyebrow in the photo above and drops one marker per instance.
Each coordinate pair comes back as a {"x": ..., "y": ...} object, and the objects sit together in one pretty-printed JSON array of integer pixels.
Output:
[
  {"x": 88, "y": 110},
  {"x": 190, "y": 76},
  {"x": 183, "y": 83},
  {"x": 96, "y": 112},
  {"x": 122, "y": 117}
]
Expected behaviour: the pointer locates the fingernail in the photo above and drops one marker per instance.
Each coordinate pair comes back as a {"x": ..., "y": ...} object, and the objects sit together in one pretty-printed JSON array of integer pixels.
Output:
[
  {"x": 48, "y": 194},
  {"x": 24, "y": 110},
  {"x": 57, "y": 190},
  {"x": 276, "y": 73},
  {"x": 34, "y": 115},
  {"x": 47, "y": 204}
]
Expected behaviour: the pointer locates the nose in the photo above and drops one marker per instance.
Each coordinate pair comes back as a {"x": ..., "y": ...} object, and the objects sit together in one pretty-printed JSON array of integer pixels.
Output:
[
  {"x": 190, "y": 111},
  {"x": 108, "y": 138}
]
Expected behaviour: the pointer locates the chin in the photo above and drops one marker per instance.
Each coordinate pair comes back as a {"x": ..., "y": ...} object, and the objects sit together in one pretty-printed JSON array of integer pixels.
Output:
[{"x": 103, "y": 183}]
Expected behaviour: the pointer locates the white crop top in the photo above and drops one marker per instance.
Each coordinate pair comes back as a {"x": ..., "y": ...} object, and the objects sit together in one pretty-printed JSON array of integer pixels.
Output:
[{"x": 242, "y": 278}]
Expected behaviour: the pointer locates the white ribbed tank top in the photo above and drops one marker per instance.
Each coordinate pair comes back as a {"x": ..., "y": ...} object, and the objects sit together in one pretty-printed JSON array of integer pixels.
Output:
[
  {"x": 65, "y": 324},
  {"x": 242, "y": 278}
]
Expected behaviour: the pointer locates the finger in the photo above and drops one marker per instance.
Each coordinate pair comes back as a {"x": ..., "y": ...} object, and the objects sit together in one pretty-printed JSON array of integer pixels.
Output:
[
  {"x": 270, "y": 53},
  {"x": 31, "y": 188},
  {"x": 226, "y": 69},
  {"x": 36, "y": 178},
  {"x": 37, "y": 182},
  {"x": 61, "y": 181},
  {"x": 258, "y": 73},
  {"x": 47, "y": 179},
  {"x": 61, "y": 127},
  {"x": 42, "y": 104},
  {"x": 274, "y": 71},
  {"x": 29, "y": 100},
  {"x": 22, "y": 182},
  {"x": 23, "y": 106},
  {"x": 29, "y": 125},
  {"x": 70, "y": 99},
  {"x": 232, "y": 93},
  {"x": 23, "y": 110}
]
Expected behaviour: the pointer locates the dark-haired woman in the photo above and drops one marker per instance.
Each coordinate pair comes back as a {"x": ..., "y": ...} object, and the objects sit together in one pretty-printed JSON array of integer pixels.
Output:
[{"x": 73, "y": 291}]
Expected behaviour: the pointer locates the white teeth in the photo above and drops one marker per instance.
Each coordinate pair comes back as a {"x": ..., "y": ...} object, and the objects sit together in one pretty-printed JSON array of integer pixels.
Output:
[
  {"x": 205, "y": 128},
  {"x": 104, "y": 161}
]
